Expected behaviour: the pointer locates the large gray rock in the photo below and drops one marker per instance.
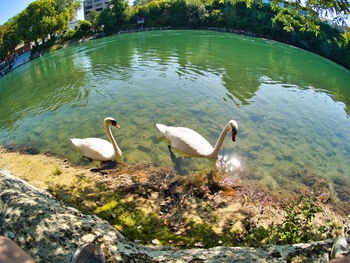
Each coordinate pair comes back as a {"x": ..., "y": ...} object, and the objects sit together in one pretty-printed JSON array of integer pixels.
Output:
[{"x": 50, "y": 232}]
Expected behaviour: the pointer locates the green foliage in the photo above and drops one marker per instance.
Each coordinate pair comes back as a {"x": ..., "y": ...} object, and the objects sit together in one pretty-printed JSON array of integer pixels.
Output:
[
  {"x": 195, "y": 12},
  {"x": 346, "y": 37},
  {"x": 92, "y": 15},
  {"x": 57, "y": 171},
  {"x": 118, "y": 10},
  {"x": 68, "y": 35},
  {"x": 83, "y": 29},
  {"x": 291, "y": 23},
  {"x": 137, "y": 225},
  {"x": 40, "y": 19},
  {"x": 106, "y": 19},
  {"x": 303, "y": 15},
  {"x": 9, "y": 38},
  {"x": 296, "y": 227}
]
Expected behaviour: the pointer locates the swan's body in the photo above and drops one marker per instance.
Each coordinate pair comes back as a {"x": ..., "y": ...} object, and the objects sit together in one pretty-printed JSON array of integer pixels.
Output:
[
  {"x": 99, "y": 149},
  {"x": 192, "y": 143}
]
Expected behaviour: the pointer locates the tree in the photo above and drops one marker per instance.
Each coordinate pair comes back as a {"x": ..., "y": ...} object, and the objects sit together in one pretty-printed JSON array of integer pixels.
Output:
[
  {"x": 195, "y": 12},
  {"x": 305, "y": 15},
  {"x": 107, "y": 19},
  {"x": 44, "y": 17},
  {"x": 8, "y": 38},
  {"x": 70, "y": 6},
  {"x": 84, "y": 29},
  {"x": 118, "y": 9},
  {"x": 23, "y": 30},
  {"x": 92, "y": 15}
]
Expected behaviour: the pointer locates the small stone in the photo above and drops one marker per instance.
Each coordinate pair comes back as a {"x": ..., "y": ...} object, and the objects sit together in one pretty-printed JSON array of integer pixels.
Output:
[
  {"x": 11, "y": 235},
  {"x": 155, "y": 242},
  {"x": 137, "y": 241},
  {"x": 200, "y": 244},
  {"x": 180, "y": 243},
  {"x": 113, "y": 216},
  {"x": 220, "y": 242},
  {"x": 88, "y": 238},
  {"x": 166, "y": 221},
  {"x": 30, "y": 238},
  {"x": 140, "y": 226}
]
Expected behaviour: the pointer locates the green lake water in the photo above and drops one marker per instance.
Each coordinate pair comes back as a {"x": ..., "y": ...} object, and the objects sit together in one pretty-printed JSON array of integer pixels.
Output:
[{"x": 292, "y": 106}]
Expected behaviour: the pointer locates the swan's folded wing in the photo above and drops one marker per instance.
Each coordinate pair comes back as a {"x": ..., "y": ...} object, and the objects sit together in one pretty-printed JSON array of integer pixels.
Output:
[
  {"x": 94, "y": 147},
  {"x": 188, "y": 141}
]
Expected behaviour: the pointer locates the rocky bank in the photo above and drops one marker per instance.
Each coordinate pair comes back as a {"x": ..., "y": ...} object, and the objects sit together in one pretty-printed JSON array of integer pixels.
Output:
[{"x": 50, "y": 232}]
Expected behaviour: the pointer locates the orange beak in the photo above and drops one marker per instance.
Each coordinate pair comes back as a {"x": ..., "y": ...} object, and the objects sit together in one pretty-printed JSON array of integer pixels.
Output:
[{"x": 116, "y": 125}]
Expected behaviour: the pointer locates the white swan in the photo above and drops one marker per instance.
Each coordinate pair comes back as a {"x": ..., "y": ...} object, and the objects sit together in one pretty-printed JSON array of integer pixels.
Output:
[
  {"x": 99, "y": 149},
  {"x": 190, "y": 142}
]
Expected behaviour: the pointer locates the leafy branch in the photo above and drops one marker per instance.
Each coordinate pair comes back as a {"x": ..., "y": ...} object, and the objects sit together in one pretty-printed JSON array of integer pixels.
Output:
[{"x": 296, "y": 227}]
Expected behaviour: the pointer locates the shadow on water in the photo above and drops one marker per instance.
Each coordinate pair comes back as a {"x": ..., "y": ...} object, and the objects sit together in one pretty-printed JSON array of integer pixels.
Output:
[{"x": 177, "y": 162}]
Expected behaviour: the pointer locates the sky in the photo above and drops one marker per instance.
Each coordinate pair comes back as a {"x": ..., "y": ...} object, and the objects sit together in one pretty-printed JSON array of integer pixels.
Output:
[{"x": 10, "y": 8}]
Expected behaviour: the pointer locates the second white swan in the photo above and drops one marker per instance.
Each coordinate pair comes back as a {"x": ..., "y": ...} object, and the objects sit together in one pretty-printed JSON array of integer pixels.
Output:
[
  {"x": 99, "y": 149},
  {"x": 192, "y": 143}
]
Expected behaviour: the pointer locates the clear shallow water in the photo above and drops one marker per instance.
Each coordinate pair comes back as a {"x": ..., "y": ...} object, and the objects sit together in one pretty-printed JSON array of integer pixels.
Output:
[{"x": 292, "y": 106}]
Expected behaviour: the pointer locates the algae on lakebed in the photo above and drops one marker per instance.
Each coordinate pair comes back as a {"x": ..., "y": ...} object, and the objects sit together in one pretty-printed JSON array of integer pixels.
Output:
[{"x": 154, "y": 205}]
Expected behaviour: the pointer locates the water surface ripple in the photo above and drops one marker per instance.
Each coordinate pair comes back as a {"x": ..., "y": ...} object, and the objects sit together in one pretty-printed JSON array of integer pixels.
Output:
[{"x": 292, "y": 106}]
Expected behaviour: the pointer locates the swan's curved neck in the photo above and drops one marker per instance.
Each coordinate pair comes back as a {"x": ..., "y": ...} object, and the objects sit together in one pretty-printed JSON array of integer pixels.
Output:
[
  {"x": 117, "y": 151},
  {"x": 220, "y": 141}
]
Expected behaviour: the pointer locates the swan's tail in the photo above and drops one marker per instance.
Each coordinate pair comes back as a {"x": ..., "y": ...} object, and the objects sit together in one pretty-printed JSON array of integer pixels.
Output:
[
  {"x": 76, "y": 142},
  {"x": 161, "y": 128}
]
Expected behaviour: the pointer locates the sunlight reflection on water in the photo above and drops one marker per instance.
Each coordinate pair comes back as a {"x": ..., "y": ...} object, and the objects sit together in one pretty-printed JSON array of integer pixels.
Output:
[
  {"x": 292, "y": 106},
  {"x": 229, "y": 163}
]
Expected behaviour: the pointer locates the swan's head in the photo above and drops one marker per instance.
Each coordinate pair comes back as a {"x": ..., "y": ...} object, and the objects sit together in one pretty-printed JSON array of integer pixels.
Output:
[
  {"x": 111, "y": 121},
  {"x": 234, "y": 127}
]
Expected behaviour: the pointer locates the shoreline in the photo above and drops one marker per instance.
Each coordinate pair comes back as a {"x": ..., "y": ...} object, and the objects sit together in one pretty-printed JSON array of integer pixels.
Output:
[
  {"x": 215, "y": 29},
  {"x": 148, "y": 203},
  {"x": 50, "y": 231}
]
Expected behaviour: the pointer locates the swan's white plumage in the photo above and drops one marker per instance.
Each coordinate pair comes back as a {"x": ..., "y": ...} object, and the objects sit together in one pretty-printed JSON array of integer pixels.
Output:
[
  {"x": 99, "y": 149},
  {"x": 191, "y": 142},
  {"x": 95, "y": 148},
  {"x": 186, "y": 140}
]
